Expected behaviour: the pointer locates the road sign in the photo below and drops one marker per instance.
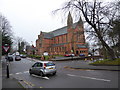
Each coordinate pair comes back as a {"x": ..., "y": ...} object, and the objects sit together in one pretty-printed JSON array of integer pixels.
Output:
[{"x": 6, "y": 48}]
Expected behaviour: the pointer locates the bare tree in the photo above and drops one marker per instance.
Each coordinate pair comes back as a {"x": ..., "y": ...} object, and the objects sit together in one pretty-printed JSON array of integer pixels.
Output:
[
  {"x": 94, "y": 15},
  {"x": 20, "y": 44}
]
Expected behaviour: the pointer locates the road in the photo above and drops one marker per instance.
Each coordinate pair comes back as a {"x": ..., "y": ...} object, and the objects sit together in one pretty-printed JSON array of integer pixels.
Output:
[{"x": 65, "y": 78}]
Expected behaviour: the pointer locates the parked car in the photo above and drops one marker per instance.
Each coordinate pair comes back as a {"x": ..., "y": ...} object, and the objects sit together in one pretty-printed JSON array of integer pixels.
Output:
[
  {"x": 17, "y": 58},
  {"x": 10, "y": 57},
  {"x": 72, "y": 55},
  {"x": 69, "y": 55},
  {"x": 43, "y": 68},
  {"x": 82, "y": 55},
  {"x": 23, "y": 56}
]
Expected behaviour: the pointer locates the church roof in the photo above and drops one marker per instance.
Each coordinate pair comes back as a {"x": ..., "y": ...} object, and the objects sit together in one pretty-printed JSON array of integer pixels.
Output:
[{"x": 58, "y": 32}]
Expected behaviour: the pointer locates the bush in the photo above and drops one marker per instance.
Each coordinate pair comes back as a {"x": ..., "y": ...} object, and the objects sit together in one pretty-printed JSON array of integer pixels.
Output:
[
  {"x": 34, "y": 56},
  {"x": 46, "y": 57}
]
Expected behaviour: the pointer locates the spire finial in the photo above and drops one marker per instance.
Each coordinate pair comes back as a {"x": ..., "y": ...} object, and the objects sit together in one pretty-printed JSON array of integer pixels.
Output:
[
  {"x": 80, "y": 20},
  {"x": 69, "y": 20}
]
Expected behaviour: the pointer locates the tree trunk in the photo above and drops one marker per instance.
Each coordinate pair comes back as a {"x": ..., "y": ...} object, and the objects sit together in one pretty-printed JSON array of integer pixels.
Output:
[{"x": 109, "y": 50}]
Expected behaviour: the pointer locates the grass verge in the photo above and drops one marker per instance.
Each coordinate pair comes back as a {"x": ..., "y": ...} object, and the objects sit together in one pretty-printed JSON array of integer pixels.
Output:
[{"x": 107, "y": 62}]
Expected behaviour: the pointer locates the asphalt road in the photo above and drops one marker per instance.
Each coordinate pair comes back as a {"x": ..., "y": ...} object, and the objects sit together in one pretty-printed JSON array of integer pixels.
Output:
[{"x": 65, "y": 78}]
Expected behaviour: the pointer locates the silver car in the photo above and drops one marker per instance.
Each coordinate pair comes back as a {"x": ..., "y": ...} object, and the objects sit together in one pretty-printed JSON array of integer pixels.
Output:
[{"x": 43, "y": 68}]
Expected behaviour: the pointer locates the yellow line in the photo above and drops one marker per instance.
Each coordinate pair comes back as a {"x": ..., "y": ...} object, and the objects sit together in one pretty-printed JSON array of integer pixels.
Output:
[{"x": 29, "y": 83}]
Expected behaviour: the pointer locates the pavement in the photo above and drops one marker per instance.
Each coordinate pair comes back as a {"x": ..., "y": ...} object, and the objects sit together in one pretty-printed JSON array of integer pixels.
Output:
[
  {"x": 8, "y": 83},
  {"x": 11, "y": 83},
  {"x": 81, "y": 64}
]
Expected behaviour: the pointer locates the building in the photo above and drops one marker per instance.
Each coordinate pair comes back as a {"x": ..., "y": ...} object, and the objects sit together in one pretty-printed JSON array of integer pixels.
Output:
[
  {"x": 68, "y": 39},
  {"x": 30, "y": 50}
]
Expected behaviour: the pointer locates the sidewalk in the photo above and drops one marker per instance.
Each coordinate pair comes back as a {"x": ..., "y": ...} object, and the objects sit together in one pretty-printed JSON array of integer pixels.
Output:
[
  {"x": 8, "y": 82},
  {"x": 11, "y": 83}
]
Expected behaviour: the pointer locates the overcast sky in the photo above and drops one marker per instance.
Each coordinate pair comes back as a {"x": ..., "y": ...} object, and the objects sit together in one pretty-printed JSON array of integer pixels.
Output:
[{"x": 29, "y": 17}]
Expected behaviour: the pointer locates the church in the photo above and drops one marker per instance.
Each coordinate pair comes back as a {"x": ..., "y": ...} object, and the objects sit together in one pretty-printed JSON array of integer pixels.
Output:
[{"x": 66, "y": 40}]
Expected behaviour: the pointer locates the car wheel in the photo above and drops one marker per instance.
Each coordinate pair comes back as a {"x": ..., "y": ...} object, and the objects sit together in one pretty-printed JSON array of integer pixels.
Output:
[
  {"x": 30, "y": 72},
  {"x": 54, "y": 73},
  {"x": 41, "y": 74}
]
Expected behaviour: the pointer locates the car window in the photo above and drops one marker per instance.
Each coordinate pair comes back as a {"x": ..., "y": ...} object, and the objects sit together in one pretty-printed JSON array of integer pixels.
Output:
[
  {"x": 35, "y": 65},
  {"x": 9, "y": 55},
  {"x": 39, "y": 65},
  {"x": 50, "y": 64}
]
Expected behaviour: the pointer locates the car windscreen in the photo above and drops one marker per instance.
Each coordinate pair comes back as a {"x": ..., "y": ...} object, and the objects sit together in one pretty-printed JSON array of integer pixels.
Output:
[
  {"x": 50, "y": 64},
  {"x": 10, "y": 56}
]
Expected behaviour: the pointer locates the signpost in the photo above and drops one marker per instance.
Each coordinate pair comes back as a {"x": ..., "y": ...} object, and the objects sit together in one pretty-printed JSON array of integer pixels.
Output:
[{"x": 6, "y": 48}]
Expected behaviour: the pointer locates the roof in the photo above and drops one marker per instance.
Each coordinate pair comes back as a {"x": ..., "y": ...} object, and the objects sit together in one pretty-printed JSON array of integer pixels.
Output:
[
  {"x": 48, "y": 35},
  {"x": 58, "y": 32},
  {"x": 81, "y": 46}
]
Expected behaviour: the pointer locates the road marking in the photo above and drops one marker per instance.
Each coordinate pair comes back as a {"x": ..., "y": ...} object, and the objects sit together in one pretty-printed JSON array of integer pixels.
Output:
[
  {"x": 41, "y": 77},
  {"x": 26, "y": 72},
  {"x": 46, "y": 78},
  {"x": 10, "y": 74},
  {"x": 19, "y": 73},
  {"x": 89, "y": 77}
]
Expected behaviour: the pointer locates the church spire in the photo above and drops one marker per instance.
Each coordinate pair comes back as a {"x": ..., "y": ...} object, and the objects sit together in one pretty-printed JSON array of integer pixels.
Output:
[
  {"x": 80, "y": 21},
  {"x": 69, "y": 20}
]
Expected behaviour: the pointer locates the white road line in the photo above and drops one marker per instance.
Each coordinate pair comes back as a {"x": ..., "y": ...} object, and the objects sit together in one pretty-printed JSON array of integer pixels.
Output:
[
  {"x": 26, "y": 72},
  {"x": 41, "y": 77},
  {"x": 46, "y": 78},
  {"x": 19, "y": 73},
  {"x": 89, "y": 77}
]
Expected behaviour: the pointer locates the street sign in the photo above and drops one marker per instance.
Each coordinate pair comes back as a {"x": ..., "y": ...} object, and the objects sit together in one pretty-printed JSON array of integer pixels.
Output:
[{"x": 6, "y": 48}]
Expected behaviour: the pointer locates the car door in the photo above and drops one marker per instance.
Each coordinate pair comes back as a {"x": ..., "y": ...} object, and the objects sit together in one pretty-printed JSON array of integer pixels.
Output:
[
  {"x": 38, "y": 68},
  {"x": 33, "y": 70}
]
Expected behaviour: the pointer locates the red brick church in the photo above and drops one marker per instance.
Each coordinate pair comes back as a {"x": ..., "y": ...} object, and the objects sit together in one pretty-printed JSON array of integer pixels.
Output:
[{"x": 65, "y": 40}]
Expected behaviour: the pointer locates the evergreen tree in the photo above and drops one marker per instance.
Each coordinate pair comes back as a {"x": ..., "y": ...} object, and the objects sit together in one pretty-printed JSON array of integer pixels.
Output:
[{"x": 6, "y": 33}]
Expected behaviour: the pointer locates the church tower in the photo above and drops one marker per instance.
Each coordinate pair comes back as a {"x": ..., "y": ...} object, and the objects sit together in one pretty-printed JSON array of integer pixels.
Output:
[
  {"x": 81, "y": 37},
  {"x": 80, "y": 22},
  {"x": 69, "y": 20}
]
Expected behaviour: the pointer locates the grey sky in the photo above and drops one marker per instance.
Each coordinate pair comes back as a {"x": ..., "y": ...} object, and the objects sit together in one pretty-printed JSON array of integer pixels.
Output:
[{"x": 29, "y": 17}]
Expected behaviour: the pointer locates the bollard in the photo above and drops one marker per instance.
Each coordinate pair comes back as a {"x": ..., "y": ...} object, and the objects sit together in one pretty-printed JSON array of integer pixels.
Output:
[{"x": 7, "y": 71}]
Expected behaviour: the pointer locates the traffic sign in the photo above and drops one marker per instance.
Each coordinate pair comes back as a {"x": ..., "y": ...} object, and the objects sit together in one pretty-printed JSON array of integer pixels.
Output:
[{"x": 6, "y": 48}]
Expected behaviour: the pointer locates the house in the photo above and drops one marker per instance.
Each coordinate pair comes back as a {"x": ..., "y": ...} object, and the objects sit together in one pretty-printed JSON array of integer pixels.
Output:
[
  {"x": 30, "y": 50},
  {"x": 65, "y": 40}
]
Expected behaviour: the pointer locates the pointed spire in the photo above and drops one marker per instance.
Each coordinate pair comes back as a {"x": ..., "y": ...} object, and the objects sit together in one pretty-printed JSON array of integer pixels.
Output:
[
  {"x": 69, "y": 20},
  {"x": 80, "y": 21}
]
